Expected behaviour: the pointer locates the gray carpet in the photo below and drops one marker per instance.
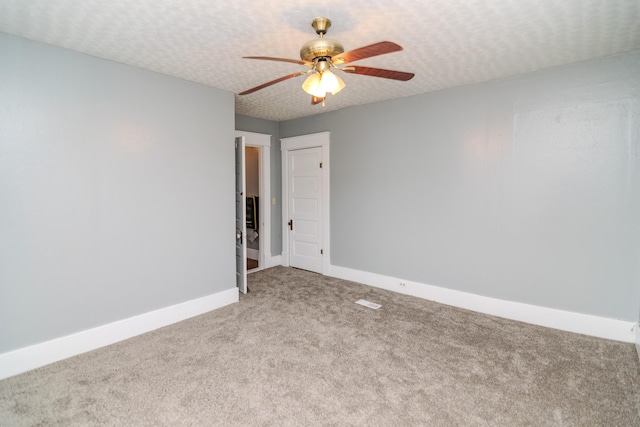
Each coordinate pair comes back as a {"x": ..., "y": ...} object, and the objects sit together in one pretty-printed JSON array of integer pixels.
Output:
[{"x": 297, "y": 350}]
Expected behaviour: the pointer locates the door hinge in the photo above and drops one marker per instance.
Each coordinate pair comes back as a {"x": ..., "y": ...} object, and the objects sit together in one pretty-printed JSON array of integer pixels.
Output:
[
  {"x": 321, "y": 252},
  {"x": 320, "y": 165}
]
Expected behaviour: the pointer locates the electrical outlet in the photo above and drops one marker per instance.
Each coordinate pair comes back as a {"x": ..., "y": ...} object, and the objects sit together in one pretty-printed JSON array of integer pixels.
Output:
[{"x": 403, "y": 285}]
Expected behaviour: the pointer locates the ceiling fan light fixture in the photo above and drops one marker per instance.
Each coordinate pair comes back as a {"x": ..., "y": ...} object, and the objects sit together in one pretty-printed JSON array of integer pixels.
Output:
[{"x": 319, "y": 84}]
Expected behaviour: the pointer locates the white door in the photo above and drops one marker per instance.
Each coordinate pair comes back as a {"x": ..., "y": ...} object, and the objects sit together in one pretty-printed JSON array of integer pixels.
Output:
[
  {"x": 263, "y": 142},
  {"x": 305, "y": 208},
  {"x": 241, "y": 225}
]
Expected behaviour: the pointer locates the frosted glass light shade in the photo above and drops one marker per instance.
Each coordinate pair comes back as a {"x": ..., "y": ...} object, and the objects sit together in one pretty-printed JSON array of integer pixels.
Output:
[
  {"x": 311, "y": 84},
  {"x": 331, "y": 83},
  {"x": 319, "y": 84}
]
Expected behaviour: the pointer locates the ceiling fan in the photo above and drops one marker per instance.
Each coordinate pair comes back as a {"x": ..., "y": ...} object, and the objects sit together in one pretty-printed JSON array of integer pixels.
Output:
[{"x": 322, "y": 55}]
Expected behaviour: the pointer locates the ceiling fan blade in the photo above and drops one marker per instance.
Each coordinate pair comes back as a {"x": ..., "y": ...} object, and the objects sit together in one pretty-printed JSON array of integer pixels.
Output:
[
  {"x": 315, "y": 100},
  {"x": 269, "y": 58},
  {"x": 272, "y": 82},
  {"x": 379, "y": 72},
  {"x": 375, "y": 49}
]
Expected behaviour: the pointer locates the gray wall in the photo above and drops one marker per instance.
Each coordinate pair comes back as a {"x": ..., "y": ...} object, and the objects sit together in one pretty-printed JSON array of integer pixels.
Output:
[
  {"x": 116, "y": 192},
  {"x": 251, "y": 124},
  {"x": 525, "y": 189}
]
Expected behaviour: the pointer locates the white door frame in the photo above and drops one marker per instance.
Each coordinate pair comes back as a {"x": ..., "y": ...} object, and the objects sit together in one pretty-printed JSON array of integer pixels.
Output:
[
  {"x": 322, "y": 140},
  {"x": 263, "y": 141},
  {"x": 241, "y": 226}
]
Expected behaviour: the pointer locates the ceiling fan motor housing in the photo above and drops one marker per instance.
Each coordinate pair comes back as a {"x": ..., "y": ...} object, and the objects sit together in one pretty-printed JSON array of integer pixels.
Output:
[{"x": 320, "y": 48}]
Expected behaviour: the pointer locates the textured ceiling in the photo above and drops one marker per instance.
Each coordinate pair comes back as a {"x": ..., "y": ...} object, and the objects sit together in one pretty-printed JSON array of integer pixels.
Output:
[{"x": 447, "y": 43}]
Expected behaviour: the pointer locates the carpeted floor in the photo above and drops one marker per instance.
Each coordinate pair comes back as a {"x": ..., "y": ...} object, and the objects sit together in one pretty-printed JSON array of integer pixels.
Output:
[{"x": 298, "y": 351}]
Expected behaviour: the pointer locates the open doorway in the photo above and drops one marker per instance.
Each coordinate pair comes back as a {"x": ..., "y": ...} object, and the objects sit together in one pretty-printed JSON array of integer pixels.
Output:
[
  {"x": 257, "y": 195},
  {"x": 252, "y": 180}
]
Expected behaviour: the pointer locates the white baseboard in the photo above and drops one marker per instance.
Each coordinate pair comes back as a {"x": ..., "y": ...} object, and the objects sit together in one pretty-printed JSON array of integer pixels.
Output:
[
  {"x": 586, "y": 324},
  {"x": 35, "y": 356},
  {"x": 273, "y": 261},
  {"x": 253, "y": 253},
  {"x": 638, "y": 341}
]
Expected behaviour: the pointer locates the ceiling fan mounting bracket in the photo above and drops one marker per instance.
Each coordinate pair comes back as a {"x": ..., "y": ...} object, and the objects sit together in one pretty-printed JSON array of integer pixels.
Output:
[{"x": 321, "y": 25}]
